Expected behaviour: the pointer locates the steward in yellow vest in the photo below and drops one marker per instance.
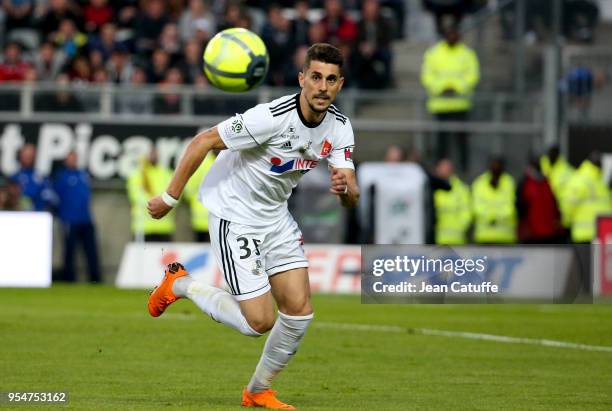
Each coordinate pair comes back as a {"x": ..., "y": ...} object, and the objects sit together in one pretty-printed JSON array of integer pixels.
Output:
[
  {"x": 199, "y": 213},
  {"x": 494, "y": 200},
  {"x": 450, "y": 73},
  {"x": 558, "y": 172},
  {"x": 585, "y": 197},
  {"x": 452, "y": 207},
  {"x": 145, "y": 182}
]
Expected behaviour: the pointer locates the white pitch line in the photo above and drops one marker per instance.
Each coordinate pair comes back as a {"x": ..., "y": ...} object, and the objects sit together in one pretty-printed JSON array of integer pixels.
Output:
[{"x": 463, "y": 334}]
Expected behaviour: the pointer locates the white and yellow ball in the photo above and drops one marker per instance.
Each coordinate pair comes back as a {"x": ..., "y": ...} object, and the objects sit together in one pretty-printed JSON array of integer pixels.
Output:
[{"x": 236, "y": 60}]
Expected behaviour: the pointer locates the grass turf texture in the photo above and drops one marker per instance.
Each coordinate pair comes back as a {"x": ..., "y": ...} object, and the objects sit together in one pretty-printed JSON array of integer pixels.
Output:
[{"x": 100, "y": 344}]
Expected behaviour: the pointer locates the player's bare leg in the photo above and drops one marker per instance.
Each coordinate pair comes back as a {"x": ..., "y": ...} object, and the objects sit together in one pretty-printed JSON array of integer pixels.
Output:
[{"x": 291, "y": 290}]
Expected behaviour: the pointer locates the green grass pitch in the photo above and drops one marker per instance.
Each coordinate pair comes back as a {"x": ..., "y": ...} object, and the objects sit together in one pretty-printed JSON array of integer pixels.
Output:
[{"x": 100, "y": 345}]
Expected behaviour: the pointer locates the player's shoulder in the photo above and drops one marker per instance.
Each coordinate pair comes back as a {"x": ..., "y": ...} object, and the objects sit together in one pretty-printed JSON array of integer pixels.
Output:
[
  {"x": 281, "y": 106},
  {"x": 338, "y": 116}
]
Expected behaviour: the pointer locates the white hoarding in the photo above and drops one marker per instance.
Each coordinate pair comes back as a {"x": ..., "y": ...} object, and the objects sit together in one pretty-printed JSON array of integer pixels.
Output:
[{"x": 25, "y": 247}]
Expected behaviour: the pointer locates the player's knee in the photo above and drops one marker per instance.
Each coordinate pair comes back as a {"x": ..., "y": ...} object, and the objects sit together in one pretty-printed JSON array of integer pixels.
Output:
[
  {"x": 261, "y": 324},
  {"x": 297, "y": 306}
]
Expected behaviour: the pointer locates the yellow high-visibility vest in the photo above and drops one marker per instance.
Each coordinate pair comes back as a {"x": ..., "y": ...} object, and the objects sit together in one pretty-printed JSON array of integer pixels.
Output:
[
  {"x": 156, "y": 179},
  {"x": 495, "y": 216},
  {"x": 199, "y": 213},
  {"x": 445, "y": 67},
  {"x": 558, "y": 175},
  {"x": 453, "y": 213},
  {"x": 585, "y": 197}
]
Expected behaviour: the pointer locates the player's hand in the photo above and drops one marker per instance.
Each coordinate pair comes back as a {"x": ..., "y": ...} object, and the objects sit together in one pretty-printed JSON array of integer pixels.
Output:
[
  {"x": 157, "y": 208},
  {"x": 339, "y": 184}
]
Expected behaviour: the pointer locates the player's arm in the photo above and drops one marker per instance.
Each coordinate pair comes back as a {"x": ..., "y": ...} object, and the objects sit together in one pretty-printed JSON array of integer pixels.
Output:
[
  {"x": 195, "y": 153},
  {"x": 344, "y": 184}
]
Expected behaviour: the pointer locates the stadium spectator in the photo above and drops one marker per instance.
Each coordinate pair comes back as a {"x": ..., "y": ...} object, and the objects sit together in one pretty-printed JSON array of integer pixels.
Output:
[
  {"x": 300, "y": 24},
  {"x": 170, "y": 42},
  {"x": 3, "y": 195},
  {"x": 494, "y": 202},
  {"x": 398, "y": 7},
  {"x": 99, "y": 76},
  {"x": 539, "y": 216},
  {"x": 340, "y": 29},
  {"x": 96, "y": 61},
  {"x": 125, "y": 16},
  {"x": 120, "y": 65},
  {"x": 450, "y": 72},
  {"x": 276, "y": 34},
  {"x": 18, "y": 13},
  {"x": 12, "y": 199},
  {"x": 52, "y": 14},
  {"x": 73, "y": 188},
  {"x": 294, "y": 65},
  {"x": 61, "y": 100},
  {"x": 192, "y": 64},
  {"x": 33, "y": 185},
  {"x": 105, "y": 41},
  {"x": 197, "y": 22},
  {"x": 233, "y": 14},
  {"x": 149, "y": 22},
  {"x": 317, "y": 33},
  {"x": 168, "y": 101},
  {"x": 452, "y": 208},
  {"x": 144, "y": 182},
  {"x": 372, "y": 54},
  {"x": 586, "y": 196},
  {"x": 79, "y": 70},
  {"x": 13, "y": 66},
  {"x": 395, "y": 154},
  {"x": 136, "y": 102},
  {"x": 199, "y": 214},
  {"x": 68, "y": 38},
  {"x": 96, "y": 14},
  {"x": 48, "y": 62},
  {"x": 558, "y": 172},
  {"x": 160, "y": 63}
]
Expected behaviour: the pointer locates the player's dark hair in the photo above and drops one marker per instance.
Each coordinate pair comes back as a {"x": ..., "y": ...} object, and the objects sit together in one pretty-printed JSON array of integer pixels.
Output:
[{"x": 325, "y": 53}]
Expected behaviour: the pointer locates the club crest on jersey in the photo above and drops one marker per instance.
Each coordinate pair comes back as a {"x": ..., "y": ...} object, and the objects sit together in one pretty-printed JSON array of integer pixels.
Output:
[
  {"x": 326, "y": 149},
  {"x": 297, "y": 164}
]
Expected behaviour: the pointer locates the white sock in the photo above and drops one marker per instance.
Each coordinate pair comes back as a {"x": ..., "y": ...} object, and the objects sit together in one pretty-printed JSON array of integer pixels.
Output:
[
  {"x": 217, "y": 303},
  {"x": 282, "y": 343}
]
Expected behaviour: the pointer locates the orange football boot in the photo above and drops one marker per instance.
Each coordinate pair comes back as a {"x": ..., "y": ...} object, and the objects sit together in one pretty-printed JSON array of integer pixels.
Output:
[
  {"x": 162, "y": 296},
  {"x": 264, "y": 399}
]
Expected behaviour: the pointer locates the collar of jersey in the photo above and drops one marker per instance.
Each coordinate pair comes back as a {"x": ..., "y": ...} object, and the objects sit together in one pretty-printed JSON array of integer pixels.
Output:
[{"x": 302, "y": 119}]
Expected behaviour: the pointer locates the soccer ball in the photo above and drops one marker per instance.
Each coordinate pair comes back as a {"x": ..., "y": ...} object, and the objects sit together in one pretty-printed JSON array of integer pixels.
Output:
[{"x": 236, "y": 60}]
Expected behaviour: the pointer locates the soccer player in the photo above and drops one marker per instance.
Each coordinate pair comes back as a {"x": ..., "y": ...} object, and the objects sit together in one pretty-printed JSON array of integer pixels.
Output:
[{"x": 253, "y": 235}]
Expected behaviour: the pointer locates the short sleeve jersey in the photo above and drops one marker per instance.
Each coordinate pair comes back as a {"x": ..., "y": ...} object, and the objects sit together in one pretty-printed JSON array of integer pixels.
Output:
[{"x": 270, "y": 147}]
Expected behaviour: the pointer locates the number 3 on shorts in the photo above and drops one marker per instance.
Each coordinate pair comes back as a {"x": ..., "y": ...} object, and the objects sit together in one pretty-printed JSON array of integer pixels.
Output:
[{"x": 245, "y": 247}]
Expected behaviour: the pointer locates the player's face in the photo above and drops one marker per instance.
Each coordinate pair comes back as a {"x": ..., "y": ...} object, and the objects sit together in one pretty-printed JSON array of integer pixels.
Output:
[{"x": 320, "y": 84}]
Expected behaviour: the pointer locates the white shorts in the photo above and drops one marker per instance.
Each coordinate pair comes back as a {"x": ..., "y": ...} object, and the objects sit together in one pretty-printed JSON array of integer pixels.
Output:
[{"x": 248, "y": 255}]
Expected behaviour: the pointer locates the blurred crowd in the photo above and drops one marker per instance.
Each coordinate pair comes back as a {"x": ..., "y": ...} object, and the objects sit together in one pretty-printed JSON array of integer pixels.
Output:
[
  {"x": 551, "y": 203},
  {"x": 162, "y": 41}
]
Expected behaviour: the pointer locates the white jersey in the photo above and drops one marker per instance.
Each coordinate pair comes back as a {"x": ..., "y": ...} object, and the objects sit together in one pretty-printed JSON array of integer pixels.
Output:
[{"x": 270, "y": 147}]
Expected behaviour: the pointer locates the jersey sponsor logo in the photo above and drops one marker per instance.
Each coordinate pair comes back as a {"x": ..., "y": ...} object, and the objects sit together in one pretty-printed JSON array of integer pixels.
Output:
[
  {"x": 326, "y": 149},
  {"x": 237, "y": 126},
  {"x": 290, "y": 134},
  {"x": 297, "y": 164},
  {"x": 348, "y": 154},
  {"x": 287, "y": 145}
]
